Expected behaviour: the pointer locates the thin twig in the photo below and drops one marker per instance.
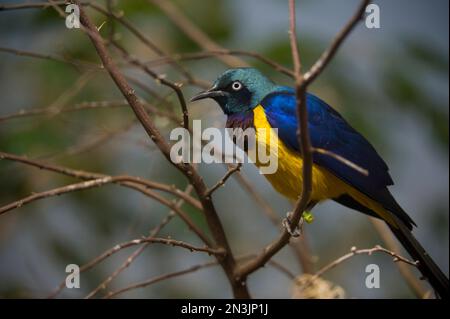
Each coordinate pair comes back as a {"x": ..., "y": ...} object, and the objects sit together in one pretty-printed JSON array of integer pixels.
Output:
[
  {"x": 302, "y": 131},
  {"x": 131, "y": 258},
  {"x": 176, "y": 87},
  {"x": 135, "y": 183},
  {"x": 56, "y": 192},
  {"x": 85, "y": 175},
  {"x": 326, "y": 57},
  {"x": 36, "y": 5},
  {"x": 193, "y": 32},
  {"x": 145, "y": 87},
  {"x": 69, "y": 93},
  {"x": 99, "y": 182},
  {"x": 97, "y": 260},
  {"x": 165, "y": 241},
  {"x": 51, "y": 57},
  {"x": 93, "y": 144},
  {"x": 354, "y": 252},
  {"x": 56, "y": 111},
  {"x": 293, "y": 42},
  {"x": 214, "y": 53},
  {"x": 189, "y": 270},
  {"x": 258, "y": 198},
  {"x": 145, "y": 40},
  {"x": 304, "y": 140},
  {"x": 160, "y": 278},
  {"x": 386, "y": 235},
  {"x": 111, "y": 26},
  {"x": 222, "y": 181},
  {"x": 341, "y": 159},
  {"x": 170, "y": 242},
  {"x": 227, "y": 262}
]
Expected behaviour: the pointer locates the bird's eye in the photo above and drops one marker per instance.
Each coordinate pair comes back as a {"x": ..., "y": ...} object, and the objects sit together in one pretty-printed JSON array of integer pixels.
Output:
[{"x": 236, "y": 86}]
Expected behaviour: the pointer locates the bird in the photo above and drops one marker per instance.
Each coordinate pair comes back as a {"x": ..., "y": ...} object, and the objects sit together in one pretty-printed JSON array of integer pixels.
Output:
[{"x": 249, "y": 99}]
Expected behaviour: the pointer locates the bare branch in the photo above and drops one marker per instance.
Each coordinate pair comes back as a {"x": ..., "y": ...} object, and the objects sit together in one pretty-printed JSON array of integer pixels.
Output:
[
  {"x": 117, "y": 248},
  {"x": 283, "y": 269},
  {"x": 56, "y": 111},
  {"x": 51, "y": 57},
  {"x": 326, "y": 57},
  {"x": 35, "y": 5},
  {"x": 355, "y": 252},
  {"x": 342, "y": 159},
  {"x": 147, "y": 42},
  {"x": 386, "y": 235},
  {"x": 189, "y": 270},
  {"x": 145, "y": 87},
  {"x": 305, "y": 143},
  {"x": 258, "y": 198},
  {"x": 94, "y": 144},
  {"x": 56, "y": 192},
  {"x": 112, "y": 27},
  {"x": 102, "y": 181},
  {"x": 161, "y": 278},
  {"x": 135, "y": 183},
  {"x": 219, "y": 248},
  {"x": 151, "y": 240},
  {"x": 122, "y": 180},
  {"x": 141, "y": 249},
  {"x": 193, "y": 32},
  {"x": 228, "y": 262},
  {"x": 222, "y": 181},
  {"x": 176, "y": 87},
  {"x": 293, "y": 42},
  {"x": 303, "y": 131},
  {"x": 177, "y": 243},
  {"x": 214, "y": 53}
]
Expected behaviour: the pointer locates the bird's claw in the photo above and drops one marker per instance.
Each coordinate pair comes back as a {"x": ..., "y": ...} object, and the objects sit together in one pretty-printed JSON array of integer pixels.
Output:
[{"x": 287, "y": 225}]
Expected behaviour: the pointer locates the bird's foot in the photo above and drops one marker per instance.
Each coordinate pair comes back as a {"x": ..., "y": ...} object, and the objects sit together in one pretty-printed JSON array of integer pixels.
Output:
[
  {"x": 307, "y": 216},
  {"x": 287, "y": 224}
]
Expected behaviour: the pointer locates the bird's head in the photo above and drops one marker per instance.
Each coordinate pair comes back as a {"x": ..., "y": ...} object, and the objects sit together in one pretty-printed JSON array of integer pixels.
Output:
[{"x": 238, "y": 90}]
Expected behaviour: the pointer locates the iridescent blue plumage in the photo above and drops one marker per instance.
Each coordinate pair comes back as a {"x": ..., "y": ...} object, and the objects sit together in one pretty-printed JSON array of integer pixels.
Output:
[
  {"x": 250, "y": 99},
  {"x": 329, "y": 131}
]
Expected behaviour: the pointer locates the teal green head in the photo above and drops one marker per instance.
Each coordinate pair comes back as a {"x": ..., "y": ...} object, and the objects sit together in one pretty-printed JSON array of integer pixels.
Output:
[{"x": 238, "y": 90}]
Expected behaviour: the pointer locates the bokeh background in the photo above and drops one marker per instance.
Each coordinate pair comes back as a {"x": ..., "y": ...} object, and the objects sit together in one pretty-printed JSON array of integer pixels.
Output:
[{"x": 390, "y": 83}]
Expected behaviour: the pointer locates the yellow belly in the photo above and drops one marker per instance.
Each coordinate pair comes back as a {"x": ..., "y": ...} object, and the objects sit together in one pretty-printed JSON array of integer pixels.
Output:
[{"x": 287, "y": 179}]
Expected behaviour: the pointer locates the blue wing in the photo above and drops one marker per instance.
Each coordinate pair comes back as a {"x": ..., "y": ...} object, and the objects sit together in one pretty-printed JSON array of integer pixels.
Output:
[{"x": 329, "y": 131}]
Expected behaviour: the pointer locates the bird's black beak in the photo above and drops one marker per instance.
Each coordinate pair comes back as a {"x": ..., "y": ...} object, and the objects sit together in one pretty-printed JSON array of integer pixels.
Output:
[{"x": 210, "y": 93}]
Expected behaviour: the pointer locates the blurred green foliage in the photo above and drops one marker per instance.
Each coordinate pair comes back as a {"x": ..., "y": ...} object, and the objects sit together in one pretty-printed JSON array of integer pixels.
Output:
[{"x": 406, "y": 87}]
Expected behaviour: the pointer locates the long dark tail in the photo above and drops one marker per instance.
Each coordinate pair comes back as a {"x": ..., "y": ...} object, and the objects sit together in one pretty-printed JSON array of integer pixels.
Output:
[{"x": 426, "y": 265}]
